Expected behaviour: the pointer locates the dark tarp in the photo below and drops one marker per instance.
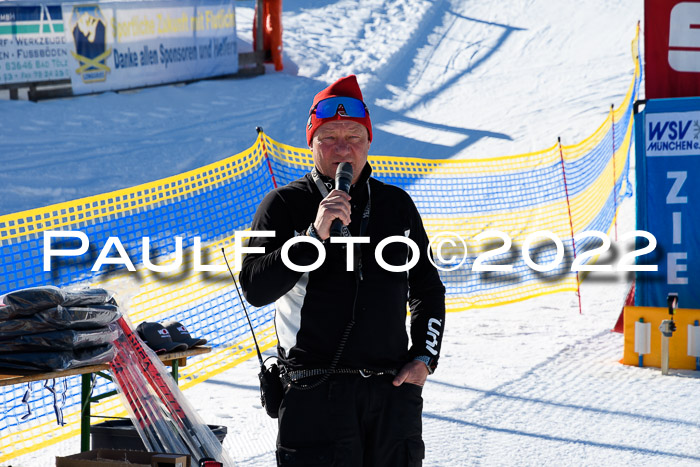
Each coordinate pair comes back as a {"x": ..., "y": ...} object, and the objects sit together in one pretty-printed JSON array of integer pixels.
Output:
[
  {"x": 26, "y": 302},
  {"x": 53, "y": 361},
  {"x": 60, "y": 317},
  {"x": 66, "y": 339}
]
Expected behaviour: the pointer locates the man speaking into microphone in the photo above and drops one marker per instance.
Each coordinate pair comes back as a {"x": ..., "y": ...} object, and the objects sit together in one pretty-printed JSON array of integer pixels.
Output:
[{"x": 352, "y": 377}]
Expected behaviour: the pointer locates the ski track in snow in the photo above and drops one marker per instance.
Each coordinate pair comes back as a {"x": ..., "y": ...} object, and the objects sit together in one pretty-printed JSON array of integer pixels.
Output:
[
  {"x": 569, "y": 403},
  {"x": 532, "y": 383}
]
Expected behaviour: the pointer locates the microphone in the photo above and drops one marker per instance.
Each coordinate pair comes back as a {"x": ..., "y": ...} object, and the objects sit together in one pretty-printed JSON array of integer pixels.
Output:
[{"x": 343, "y": 179}]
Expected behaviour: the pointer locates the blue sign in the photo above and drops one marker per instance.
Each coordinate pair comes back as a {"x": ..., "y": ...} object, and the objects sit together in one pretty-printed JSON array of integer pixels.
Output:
[
  {"x": 668, "y": 170},
  {"x": 122, "y": 45}
]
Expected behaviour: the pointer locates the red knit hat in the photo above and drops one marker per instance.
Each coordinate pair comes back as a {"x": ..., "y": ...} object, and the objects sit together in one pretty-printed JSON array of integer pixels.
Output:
[{"x": 344, "y": 87}]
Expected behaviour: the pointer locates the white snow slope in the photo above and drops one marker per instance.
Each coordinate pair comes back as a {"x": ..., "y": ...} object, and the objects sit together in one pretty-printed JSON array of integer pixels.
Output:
[{"x": 534, "y": 383}]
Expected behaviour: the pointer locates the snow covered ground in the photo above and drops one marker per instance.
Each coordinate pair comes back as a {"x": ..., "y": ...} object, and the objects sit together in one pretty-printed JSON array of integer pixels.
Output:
[
  {"x": 443, "y": 79},
  {"x": 533, "y": 383}
]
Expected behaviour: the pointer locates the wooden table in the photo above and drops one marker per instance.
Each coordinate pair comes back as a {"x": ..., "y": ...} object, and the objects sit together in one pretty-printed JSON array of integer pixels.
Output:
[{"x": 11, "y": 376}]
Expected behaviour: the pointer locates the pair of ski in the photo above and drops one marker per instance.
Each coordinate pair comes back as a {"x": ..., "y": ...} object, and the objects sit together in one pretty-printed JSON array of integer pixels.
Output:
[{"x": 161, "y": 414}]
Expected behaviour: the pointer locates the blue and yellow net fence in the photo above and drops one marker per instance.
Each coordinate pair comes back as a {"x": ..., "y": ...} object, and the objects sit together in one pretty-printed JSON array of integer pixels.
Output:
[{"x": 562, "y": 189}]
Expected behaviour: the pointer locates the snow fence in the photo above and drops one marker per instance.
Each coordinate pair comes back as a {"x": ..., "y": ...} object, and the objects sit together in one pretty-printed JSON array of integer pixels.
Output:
[{"x": 563, "y": 189}]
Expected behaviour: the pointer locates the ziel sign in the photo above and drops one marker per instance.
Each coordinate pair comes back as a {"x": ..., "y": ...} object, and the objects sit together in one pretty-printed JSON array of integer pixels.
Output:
[{"x": 668, "y": 168}]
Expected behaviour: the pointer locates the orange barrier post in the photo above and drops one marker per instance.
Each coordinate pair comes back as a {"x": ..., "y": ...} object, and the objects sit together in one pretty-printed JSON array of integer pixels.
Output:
[
  {"x": 274, "y": 21},
  {"x": 272, "y": 32}
]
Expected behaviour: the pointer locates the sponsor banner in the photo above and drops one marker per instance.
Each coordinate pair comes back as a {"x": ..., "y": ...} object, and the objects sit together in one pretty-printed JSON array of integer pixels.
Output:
[
  {"x": 672, "y": 134},
  {"x": 133, "y": 44},
  {"x": 668, "y": 165},
  {"x": 33, "y": 47},
  {"x": 672, "y": 48}
]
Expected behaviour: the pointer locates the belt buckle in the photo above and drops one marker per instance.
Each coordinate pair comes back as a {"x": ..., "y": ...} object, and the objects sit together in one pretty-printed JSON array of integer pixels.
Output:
[{"x": 285, "y": 378}]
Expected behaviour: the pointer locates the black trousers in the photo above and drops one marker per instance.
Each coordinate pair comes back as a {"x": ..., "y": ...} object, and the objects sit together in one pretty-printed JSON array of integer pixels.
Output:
[{"x": 351, "y": 421}]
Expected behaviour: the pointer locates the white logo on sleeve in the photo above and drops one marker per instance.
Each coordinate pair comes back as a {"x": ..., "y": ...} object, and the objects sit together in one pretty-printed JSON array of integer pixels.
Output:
[{"x": 433, "y": 333}]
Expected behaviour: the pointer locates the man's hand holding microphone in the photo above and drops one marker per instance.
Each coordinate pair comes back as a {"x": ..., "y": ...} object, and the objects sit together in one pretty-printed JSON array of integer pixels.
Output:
[{"x": 334, "y": 209}]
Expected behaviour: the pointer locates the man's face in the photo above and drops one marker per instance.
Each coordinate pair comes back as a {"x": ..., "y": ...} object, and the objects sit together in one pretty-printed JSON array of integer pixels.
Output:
[{"x": 340, "y": 141}]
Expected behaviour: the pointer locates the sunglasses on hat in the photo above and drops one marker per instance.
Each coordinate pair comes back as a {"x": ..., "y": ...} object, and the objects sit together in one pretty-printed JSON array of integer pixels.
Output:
[{"x": 343, "y": 106}]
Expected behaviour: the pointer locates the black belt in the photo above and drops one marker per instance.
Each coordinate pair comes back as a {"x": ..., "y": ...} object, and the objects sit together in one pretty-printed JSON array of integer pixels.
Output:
[{"x": 297, "y": 375}]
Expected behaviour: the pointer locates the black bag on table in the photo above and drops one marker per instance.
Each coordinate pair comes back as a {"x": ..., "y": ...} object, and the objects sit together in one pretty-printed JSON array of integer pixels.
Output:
[
  {"x": 60, "y": 317},
  {"x": 65, "y": 339},
  {"x": 26, "y": 302}
]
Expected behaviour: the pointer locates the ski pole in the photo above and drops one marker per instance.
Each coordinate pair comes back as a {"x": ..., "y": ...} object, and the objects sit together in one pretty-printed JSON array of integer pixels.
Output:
[
  {"x": 163, "y": 391},
  {"x": 118, "y": 367},
  {"x": 154, "y": 417}
]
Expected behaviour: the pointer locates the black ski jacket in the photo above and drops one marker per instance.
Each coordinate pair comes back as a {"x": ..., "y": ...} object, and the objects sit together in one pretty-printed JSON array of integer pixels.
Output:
[{"x": 313, "y": 309}]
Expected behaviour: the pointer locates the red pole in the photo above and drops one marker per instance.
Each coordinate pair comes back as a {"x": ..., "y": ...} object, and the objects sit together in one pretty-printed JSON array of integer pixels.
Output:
[
  {"x": 261, "y": 133},
  {"x": 571, "y": 223},
  {"x": 612, "y": 116}
]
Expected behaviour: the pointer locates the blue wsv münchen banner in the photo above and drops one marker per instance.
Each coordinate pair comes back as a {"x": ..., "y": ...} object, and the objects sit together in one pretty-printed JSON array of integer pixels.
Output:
[
  {"x": 121, "y": 45},
  {"x": 668, "y": 193}
]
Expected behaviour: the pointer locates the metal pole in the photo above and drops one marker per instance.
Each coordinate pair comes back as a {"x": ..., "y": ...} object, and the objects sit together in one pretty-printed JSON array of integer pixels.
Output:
[
  {"x": 697, "y": 359},
  {"x": 665, "y": 337},
  {"x": 259, "y": 52},
  {"x": 175, "y": 370},
  {"x": 259, "y": 31},
  {"x": 85, "y": 412},
  {"x": 667, "y": 328},
  {"x": 641, "y": 355}
]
